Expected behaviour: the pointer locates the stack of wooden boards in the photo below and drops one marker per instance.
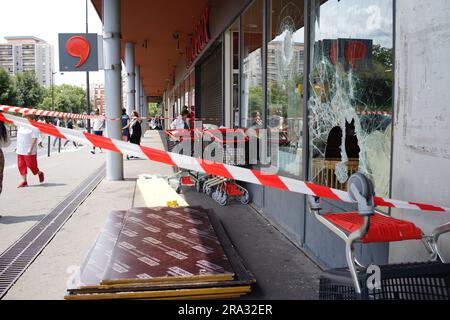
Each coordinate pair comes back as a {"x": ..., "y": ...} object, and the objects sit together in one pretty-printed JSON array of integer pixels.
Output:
[{"x": 161, "y": 253}]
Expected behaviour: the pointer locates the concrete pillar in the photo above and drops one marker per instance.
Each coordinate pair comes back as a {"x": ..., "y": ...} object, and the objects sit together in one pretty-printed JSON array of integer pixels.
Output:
[
  {"x": 131, "y": 85},
  {"x": 137, "y": 81},
  {"x": 113, "y": 84}
]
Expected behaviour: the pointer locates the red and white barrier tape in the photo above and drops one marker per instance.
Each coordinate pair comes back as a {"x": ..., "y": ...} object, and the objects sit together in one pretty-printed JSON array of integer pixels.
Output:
[
  {"x": 45, "y": 113},
  {"x": 58, "y": 114},
  {"x": 208, "y": 167}
]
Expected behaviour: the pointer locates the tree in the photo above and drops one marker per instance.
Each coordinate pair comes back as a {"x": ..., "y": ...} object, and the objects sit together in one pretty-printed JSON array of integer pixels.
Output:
[
  {"x": 255, "y": 99},
  {"x": 29, "y": 93},
  {"x": 383, "y": 56},
  {"x": 7, "y": 94},
  {"x": 152, "y": 109},
  {"x": 67, "y": 98}
]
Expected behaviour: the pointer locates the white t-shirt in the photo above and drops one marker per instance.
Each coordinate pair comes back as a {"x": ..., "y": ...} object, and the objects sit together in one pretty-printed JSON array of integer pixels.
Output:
[
  {"x": 178, "y": 124},
  {"x": 25, "y": 138},
  {"x": 99, "y": 124}
]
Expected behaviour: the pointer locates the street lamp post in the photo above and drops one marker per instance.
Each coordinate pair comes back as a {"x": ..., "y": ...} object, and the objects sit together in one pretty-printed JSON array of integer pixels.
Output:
[
  {"x": 53, "y": 109},
  {"x": 88, "y": 95}
]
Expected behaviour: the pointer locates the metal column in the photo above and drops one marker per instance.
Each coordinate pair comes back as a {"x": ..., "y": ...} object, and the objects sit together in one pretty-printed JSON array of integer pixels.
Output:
[
  {"x": 131, "y": 85},
  {"x": 113, "y": 84},
  {"x": 137, "y": 81}
]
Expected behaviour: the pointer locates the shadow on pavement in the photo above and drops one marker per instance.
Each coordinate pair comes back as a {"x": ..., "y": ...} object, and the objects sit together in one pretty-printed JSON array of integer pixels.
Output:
[
  {"x": 47, "y": 185},
  {"x": 16, "y": 219}
]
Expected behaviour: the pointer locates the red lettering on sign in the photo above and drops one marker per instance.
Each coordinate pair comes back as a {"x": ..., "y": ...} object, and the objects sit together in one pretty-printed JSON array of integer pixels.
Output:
[{"x": 199, "y": 38}]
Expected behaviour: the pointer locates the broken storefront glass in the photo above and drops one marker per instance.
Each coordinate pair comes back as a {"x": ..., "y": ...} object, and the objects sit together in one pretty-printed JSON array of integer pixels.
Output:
[{"x": 350, "y": 105}]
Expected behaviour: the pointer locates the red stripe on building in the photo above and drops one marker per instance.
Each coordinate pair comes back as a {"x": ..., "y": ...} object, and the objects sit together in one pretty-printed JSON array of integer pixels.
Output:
[
  {"x": 215, "y": 168},
  {"x": 322, "y": 191},
  {"x": 101, "y": 142},
  {"x": 158, "y": 155},
  {"x": 270, "y": 180},
  {"x": 48, "y": 129}
]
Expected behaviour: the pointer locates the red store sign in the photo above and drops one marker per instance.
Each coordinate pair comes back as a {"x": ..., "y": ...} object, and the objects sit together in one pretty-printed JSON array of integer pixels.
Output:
[{"x": 199, "y": 38}]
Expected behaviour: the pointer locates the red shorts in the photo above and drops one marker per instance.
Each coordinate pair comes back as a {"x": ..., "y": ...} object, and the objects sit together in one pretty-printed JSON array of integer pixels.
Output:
[{"x": 27, "y": 162}]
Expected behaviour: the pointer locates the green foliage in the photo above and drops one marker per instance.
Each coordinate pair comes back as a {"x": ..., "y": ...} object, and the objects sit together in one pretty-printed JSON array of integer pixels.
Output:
[
  {"x": 28, "y": 91},
  {"x": 152, "y": 109},
  {"x": 255, "y": 99},
  {"x": 7, "y": 92},
  {"x": 66, "y": 98},
  {"x": 383, "y": 56}
]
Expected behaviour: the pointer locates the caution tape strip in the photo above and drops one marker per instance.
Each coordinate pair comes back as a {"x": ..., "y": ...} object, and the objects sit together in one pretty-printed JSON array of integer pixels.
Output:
[
  {"x": 208, "y": 167},
  {"x": 67, "y": 115},
  {"x": 45, "y": 113}
]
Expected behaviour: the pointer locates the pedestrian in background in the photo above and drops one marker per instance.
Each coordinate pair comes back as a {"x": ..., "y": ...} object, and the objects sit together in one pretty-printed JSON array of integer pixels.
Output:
[
  {"x": 27, "y": 140},
  {"x": 4, "y": 143},
  {"x": 42, "y": 136},
  {"x": 135, "y": 129},
  {"x": 98, "y": 127},
  {"x": 157, "y": 125},
  {"x": 69, "y": 125},
  {"x": 181, "y": 121},
  {"x": 125, "y": 125},
  {"x": 58, "y": 123}
]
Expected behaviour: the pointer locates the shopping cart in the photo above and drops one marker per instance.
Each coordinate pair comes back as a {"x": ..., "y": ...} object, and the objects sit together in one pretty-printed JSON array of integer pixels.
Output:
[
  {"x": 229, "y": 146},
  {"x": 184, "y": 178},
  {"x": 417, "y": 281}
]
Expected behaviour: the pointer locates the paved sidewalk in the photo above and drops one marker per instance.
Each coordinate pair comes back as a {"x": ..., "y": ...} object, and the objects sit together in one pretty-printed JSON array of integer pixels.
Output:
[
  {"x": 281, "y": 270},
  {"x": 22, "y": 208}
]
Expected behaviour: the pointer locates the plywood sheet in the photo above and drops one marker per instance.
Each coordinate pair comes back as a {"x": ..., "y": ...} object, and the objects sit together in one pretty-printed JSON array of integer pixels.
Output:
[
  {"x": 94, "y": 266},
  {"x": 161, "y": 294},
  {"x": 94, "y": 290},
  {"x": 166, "y": 245}
]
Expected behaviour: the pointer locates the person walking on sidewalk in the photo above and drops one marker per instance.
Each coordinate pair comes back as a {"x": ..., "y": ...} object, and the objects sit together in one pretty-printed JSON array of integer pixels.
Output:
[
  {"x": 136, "y": 129},
  {"x": 58, "y": 123},
  {"x": 98, "y": 127},
  {"x": 4, "y": 143},
  {"x": 27, "y": 140},
  {"x": 69, "y": 125},
  {"x": 42, "y": 136}
]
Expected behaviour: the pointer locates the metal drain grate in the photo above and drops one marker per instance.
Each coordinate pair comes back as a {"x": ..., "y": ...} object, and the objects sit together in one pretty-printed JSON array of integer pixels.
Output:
[{"x": 18, "y": 257}]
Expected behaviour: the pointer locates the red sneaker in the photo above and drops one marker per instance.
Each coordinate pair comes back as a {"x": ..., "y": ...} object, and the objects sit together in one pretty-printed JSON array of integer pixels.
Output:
[
  {"x": 22, "y": 185},
  {"x": 41, "y": 177}
]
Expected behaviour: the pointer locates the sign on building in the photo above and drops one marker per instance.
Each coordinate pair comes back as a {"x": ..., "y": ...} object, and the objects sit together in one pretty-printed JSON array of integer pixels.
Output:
[
  {"x": 350, "y": 53},
  {"x": 78, "y": 52}
]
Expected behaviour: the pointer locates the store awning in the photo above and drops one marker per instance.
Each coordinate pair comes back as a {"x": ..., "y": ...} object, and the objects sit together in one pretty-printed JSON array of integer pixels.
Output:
[{"x": 153, "y": 26}]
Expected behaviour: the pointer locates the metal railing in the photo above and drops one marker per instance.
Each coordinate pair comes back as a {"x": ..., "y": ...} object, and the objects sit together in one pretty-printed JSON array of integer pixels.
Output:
[{"x": 12, "y": 131}]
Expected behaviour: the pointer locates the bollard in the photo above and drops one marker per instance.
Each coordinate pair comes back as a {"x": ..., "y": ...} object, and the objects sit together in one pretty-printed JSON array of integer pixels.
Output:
[
  {"x": 59, "y": 145},
  {"x": 48, "y": 146}
]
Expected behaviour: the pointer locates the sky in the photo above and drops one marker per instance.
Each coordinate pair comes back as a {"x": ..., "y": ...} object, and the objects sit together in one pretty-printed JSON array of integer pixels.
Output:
[{"x": 45, "y": 19}]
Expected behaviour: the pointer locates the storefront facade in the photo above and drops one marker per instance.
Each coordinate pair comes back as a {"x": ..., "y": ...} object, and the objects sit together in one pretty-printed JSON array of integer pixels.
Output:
[{"x": 328, "y": 75}]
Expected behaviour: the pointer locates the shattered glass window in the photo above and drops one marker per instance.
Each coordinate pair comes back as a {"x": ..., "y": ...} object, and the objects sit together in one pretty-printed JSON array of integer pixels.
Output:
[
  {"x": 351, "y": 83},
  {"x": 285, "y": 65}
]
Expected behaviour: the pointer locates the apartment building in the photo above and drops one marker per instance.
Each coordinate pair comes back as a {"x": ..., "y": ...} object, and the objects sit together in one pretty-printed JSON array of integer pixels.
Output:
[
  {"x": 98, "y": 97},
  {"x": 28, "y": 54}
]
